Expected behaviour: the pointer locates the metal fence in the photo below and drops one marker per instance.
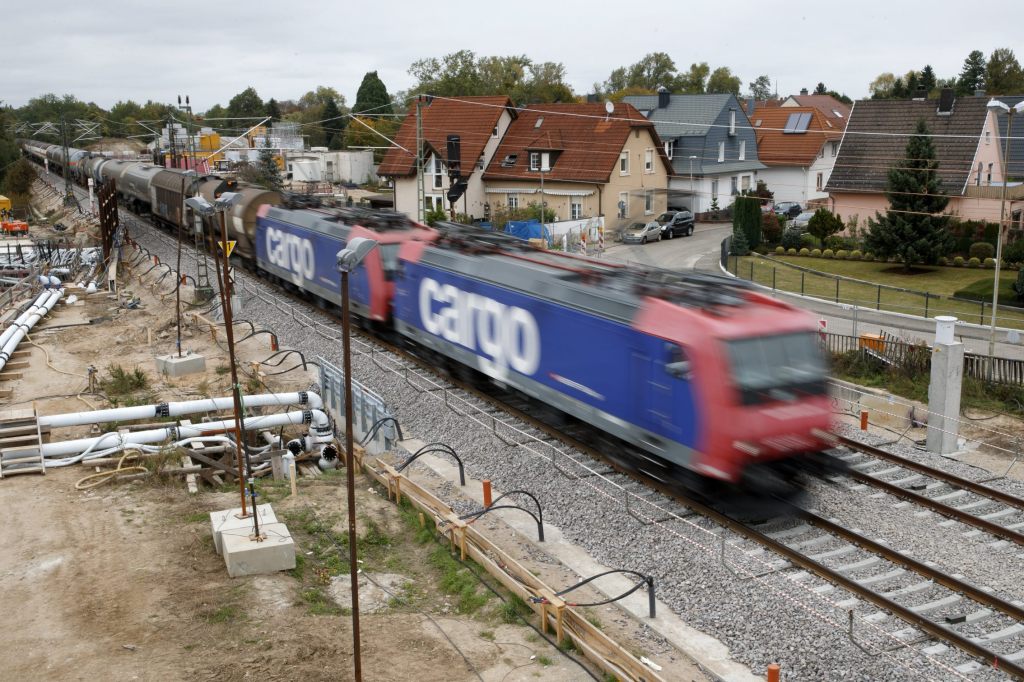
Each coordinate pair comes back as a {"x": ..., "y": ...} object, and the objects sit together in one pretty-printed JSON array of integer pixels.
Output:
[
  {"x": 370, "y": 415},
  {"x": 782, "y": 276}
]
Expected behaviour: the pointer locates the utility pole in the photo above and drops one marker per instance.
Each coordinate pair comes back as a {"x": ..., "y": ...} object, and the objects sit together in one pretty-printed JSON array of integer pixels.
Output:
[
  {"x": 421, "y": 193},
  {"x": 69, "y": 194}
]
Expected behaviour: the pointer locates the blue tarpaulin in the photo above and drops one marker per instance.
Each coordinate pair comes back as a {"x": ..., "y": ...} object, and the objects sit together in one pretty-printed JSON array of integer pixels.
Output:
[{"x": 528, "y": 229}]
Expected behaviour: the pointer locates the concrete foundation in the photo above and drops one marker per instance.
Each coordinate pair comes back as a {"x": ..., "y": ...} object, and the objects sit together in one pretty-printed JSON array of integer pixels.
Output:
[
  {"x": 228, "y": 521},
  {"x": 944, "y": 397},
  {"x": 244, "y": 555},
  {"x": 173, "y": 366}
]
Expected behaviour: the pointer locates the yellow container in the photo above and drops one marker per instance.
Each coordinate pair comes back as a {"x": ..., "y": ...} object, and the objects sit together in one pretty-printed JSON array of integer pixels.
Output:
[
  {"x": 5, "y": 203},
  {"x": 873, "y": 341}
]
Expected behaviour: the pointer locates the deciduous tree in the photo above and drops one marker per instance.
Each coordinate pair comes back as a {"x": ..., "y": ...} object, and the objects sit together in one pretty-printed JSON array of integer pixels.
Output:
[
  {"x": 246, "y": 104},
  {"x": 761, "y": 87},
  {"x": 721, "y": 81},
  {"x": 1003, "y": 74},
  {"x": 913, "y": 229}
]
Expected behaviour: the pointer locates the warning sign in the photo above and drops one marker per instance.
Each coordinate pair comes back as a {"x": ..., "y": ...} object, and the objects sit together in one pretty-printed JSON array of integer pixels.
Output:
[{"x": 231, "y": 247}]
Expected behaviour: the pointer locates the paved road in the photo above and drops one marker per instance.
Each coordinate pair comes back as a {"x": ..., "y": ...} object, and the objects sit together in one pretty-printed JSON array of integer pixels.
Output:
[{"x": 701, "y": 252}]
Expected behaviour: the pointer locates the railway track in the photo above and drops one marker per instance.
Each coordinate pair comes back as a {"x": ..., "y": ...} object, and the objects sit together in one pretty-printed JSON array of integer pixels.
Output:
[{"x": 939, "y": 610}]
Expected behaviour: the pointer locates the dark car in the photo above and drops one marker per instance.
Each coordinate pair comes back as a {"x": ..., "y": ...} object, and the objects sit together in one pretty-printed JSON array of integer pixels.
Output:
[
  {"x": 788, "y": 209},
  {"x": 676, "y": 222}
]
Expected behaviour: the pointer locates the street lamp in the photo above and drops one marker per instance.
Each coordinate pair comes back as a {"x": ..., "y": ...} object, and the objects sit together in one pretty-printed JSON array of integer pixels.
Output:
[
  {"x": 349, "y": 259},
  {"x": 204, "y": 208},
  {"x": 996, "y": 106}
]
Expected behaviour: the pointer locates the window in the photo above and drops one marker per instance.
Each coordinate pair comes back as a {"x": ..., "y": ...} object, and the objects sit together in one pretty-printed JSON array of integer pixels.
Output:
[
  {"x": 735, "y": 184},
  {"x": 721, "y": 151},
  {"x": 437, "y": 172},
  {"x": 432, "y": 201},
  {"x": 649, "y": 202},
  {"x": 513, "y": 202},
  {"x": 623, "y": 204},
  {"x": 624, "y": 163},
  {"x": 494, "y": 133},
  {"x": 534, "y": 161},
  {"x": 743, "y": 150},
  {"x": 835, "y": 148},
  {"x": 648, "y": 161},
  {"x": 509, "y": 160},
  {"x": 732, "y": 122},
  {"x": 714, "y": 189},
  {"x": 989, "y": 179},
  {"x": 981, "y": 167},
  {"x": 669, "y": 148},
  {"x": 988, "y": 137},
  {"x": 545, "y": 161},
  {"x": 821, "y": 152},
  {"x": 745, "y": 183},
  {"x": 575, "y": 209},
  {"x": 480, "y": 162},
  {"x": 820, "y": 183}
]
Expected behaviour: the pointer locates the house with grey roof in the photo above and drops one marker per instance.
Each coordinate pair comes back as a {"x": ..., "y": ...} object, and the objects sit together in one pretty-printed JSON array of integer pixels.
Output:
[
  {"x": 710, "y": 142},
  {"x": 968, "y": 148}
]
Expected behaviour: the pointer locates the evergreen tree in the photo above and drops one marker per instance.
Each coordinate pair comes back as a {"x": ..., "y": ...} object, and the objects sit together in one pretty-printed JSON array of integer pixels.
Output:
[
  {"x": 913, "y": 84},
  {"x": 972, "y": 76},
  {"x": 273, "y": 110},
  {"x": 927, "y": 81},
  {"x": 899, "y": 90},
  {"x": 269, "y": 172},
  {"x": 820, "y": 89},
  {"x": 911, "y": 230},
  {"x": 372, "y": 97},
  {"x": 8, "y": 149},
  {"x": 333, "y": 125},
  {"x": 746, "y": 219},
  {"x": 1003, "y": 74}
]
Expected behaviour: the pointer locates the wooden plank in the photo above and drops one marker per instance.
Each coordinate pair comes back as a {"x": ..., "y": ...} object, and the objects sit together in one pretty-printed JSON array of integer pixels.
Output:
[
  {"x": 19, "y": 364},
  {"x": 186, "y": 462},
  {"x": 24, "y": 413},
  {"x": 10, "y": 376}
]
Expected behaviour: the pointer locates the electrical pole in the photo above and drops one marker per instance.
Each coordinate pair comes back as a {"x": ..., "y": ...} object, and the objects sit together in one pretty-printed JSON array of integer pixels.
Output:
[
  {"x": 421, "y": 194},
  {"x": 69, "y": 194}
]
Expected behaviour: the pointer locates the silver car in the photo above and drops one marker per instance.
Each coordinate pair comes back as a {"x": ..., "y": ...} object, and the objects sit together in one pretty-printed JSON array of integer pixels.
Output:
[
  {"x": 802, "y": 220},
  {"x": 641, "y": 233}
]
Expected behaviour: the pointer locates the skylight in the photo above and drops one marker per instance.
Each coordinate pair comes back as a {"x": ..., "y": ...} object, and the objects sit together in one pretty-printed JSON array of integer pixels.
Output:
[
  {"x": 539, "y": 121},
  {"x": 837, "y": 113},
  {"x": 797, "y": 123},
  {"x": 509, "y": 161}
]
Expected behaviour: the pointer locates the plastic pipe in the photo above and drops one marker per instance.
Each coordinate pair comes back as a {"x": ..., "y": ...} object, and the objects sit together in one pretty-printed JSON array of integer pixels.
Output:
[
  {"x": 177, "y": 409},
  {"x": 20, "y": 330},
  {"x": 9, "y": 332},
  {"x": 315, "y": 418}
]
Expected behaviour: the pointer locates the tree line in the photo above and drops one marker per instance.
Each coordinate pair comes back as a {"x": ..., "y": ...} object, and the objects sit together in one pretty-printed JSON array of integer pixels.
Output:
[{"x": 999, "y": 74}]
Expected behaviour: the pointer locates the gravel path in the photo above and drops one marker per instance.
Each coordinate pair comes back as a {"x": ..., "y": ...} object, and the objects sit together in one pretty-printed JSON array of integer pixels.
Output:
[{"x": 771, "y": 617}]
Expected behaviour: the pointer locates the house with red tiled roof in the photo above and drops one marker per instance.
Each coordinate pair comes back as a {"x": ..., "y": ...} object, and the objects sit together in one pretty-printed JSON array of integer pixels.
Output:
[
  {"x": 799, "y": 148},
  {"x": 581, "y": 161},
  {"x": 835, "y": 112},
  {"x": 480, "y": 123}
]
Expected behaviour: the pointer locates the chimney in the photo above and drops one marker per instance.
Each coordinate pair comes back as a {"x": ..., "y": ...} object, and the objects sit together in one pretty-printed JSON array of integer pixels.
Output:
[
  {"x": 803, "y": 92},
  {"x": 946, "y": 101},
  {"x": 751, "y": 105},
  {"x": 663, "y": 97}
]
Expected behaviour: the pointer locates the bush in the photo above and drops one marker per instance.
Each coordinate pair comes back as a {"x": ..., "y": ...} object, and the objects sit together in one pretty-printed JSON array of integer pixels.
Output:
[
  {"x": 828, "y": 253},
  {"x": 805, "y": 251},
  {"x": 746, "y": 217},
  {"x": 856, "y": 255},
  {"x": 739, "y": 246},
  {"x": 842, "y": 254},
  {"x": 869, "y": 257},
  {"x": 771, "y": 230},
  {"x": 816, "y": 253},
  {"x": 958, "y": 261},
  {"x": 989, "y": 263},
  {"x": 809, "y": 240},
  {"x": 1018, "y": 287},
  {"x": 791, "y": 252},
  {"x": 982, "y": 250},
  {"x": 942, "y": 260},
  {"x": 824, "y": 224},
  {"x": 1014, "y": 253},
  {"x": 835, "y": 242},
  {"x": 780, "y": 250},
  {"x": 973, "y": 262},
  {"x": 791, "y": 239}
]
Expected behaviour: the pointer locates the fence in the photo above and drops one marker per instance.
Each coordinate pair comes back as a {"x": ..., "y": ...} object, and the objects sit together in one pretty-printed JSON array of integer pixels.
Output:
[
  {"x": 781, "y": 276},
  {"x": 917, "y": 357},
  {"x": 370, "y": 416}
]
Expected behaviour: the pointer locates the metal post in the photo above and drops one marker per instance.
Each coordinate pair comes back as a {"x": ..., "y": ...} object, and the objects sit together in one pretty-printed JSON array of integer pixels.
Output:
[
  {"x": 751, "y": 269},
  {"x": 878, "y": 302},
  {"x": 773, "y": 278},
  {"x": 926, "y": 297},
  {"x": 225, "y": 293},
  {"x": 350, "y": 477},
  {"x": 421, "y": 193},
  {"x": 837, "y": 290},
  {"x": 177, "y": 287},
  {"x": 802, "y": 282}
]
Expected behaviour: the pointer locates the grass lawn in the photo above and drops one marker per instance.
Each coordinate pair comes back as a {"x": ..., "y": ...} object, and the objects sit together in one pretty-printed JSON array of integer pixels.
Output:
[{"x": 908, "y": 297}]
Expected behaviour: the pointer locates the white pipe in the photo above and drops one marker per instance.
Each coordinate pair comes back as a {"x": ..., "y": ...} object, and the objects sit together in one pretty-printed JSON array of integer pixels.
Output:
[
  {"x": 21, "y": 329},
  {"x": 83, "y": 446},
  {"x": 20, "y": 320},
  {"x": 177, "y": 409}
]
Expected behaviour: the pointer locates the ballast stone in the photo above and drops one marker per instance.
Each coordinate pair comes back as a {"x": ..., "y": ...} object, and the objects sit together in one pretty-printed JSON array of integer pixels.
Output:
[
  {"x": 243, "y": 555},
  {"x": 173, "y": 366},
  {"x": 228, "y": 521}
]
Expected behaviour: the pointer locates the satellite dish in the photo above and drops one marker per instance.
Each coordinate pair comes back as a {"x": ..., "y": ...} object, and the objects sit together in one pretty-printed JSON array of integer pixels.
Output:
[{"x": 609, "y": 106}]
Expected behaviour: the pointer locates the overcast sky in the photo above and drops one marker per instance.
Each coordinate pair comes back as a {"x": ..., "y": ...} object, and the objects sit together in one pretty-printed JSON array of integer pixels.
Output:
[{"x": 109, "y": 50}]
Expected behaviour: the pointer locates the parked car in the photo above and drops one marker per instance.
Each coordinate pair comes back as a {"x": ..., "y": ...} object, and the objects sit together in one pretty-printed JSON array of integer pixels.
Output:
[
  {"x": 641, "y": 233},
  {"x": 676, "y": 222},
  {"x": 789, "y": 209},
  {"x": 802, "y": 220}
]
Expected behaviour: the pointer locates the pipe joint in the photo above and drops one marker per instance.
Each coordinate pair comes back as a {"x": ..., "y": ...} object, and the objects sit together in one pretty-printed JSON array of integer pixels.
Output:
[
  {"x": 303, "y": 398},
  {"x": 163, "y": 410}
]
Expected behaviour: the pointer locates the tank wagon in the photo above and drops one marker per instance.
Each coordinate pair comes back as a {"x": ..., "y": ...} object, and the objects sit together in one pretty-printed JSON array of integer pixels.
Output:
[{"x": 717, "y": 382}]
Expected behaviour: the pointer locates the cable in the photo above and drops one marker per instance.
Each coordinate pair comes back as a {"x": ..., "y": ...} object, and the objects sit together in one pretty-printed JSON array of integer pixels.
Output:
[{"x": 105, "y": 476}]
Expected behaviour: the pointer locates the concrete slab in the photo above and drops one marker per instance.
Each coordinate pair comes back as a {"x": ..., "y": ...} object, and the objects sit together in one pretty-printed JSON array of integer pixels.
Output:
[
  {"x": 227, "y": 520},
  {"x": 244, "y": 555},
  {"x": 173, "y": 366}
]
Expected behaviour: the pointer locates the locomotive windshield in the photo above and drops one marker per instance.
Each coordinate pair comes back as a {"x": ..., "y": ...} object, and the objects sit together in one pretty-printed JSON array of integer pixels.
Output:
[
  {"x": 389, "y": 260},
  {"x": 781, "y": 367}
]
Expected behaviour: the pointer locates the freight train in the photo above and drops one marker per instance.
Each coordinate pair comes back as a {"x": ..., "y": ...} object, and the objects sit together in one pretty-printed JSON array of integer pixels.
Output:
[{"x": 719, "y": 388}]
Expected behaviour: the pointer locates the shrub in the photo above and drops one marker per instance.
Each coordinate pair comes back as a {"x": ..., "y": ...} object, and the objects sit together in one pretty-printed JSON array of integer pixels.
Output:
[
  {"x": 824, "y": 224},
  {"x": 973, "y": 262},
  {"x": 771, "y": 230},
  {"x": 746, "y": 218},
  {"x": 982, "y": 250},
  {"x": 942, "y": 261},
  {"x": 805, "y": 251},
  {"x": 791, "y": 252},
  {"x": 958, "y": 261},
  {"x": 989, "y": 263},
  {"x": 842, "y": 254},
  {"x": 869, "y": 257},
  {"x": 780, "y": 250},
  {"x": 828, "y": 253},
  {"x": 856, "y": 255},
  {"x": 1014, "y": 253},
  {"x": 835, "y": 242},
  {"x": 1018, "y": 286},
  {"x": 791, "y": 239},
  {"x": 816, "y": 253},
  {"x": 809, "y": 240},
  {"x": 740, "y": 246}
]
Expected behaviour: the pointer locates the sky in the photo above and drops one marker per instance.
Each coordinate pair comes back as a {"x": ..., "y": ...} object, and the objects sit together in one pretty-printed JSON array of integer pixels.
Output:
[{"x": 125, "y": 49}]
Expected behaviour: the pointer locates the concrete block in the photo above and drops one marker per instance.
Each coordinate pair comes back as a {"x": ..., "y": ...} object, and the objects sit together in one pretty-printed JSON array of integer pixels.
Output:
[
  {"x": 243, "y": 555},
  {"x": 227, "y": 520},
  {"x": 173, "y": 366}
]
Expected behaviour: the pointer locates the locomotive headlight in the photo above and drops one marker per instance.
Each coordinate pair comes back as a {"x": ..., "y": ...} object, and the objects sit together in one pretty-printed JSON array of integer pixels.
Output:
[{"x": 745, "y": 447}]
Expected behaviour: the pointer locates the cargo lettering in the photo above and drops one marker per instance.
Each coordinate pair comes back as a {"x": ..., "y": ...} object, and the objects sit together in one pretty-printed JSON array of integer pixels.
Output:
[
  {"x": 506, "y": 335},
  {"x": 291, "y": 252}
]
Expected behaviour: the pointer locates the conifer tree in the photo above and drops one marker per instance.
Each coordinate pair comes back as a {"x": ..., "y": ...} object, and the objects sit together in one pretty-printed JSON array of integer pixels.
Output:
[
  {"x": 372, "y": 99},
  {"x": 972, "y": 76},
  {"x": 911, "y": 230}
]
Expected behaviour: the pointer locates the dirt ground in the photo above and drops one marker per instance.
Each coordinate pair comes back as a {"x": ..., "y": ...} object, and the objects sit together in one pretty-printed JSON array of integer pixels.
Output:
[{"x": 122, "y": 582}]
